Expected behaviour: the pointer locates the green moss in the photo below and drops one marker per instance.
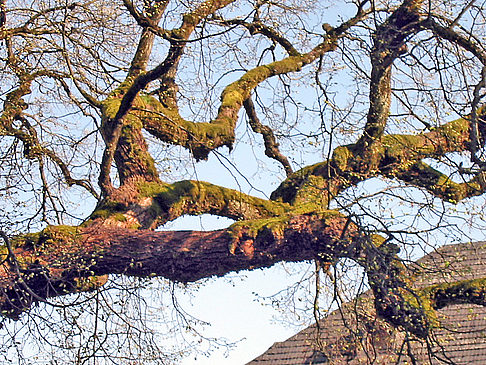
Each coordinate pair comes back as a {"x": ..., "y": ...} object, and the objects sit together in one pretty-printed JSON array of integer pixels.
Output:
[
  {"x": 253, "y": 227},
  {"x": 377, "y": 240},
  {"x": 120, "y": 217},
  {"x": 58, "y": 234},
  {"x": 190, "y": 19},
  {"x": 312, "y": 191},
  {"x": 440, "y": 295},
  {"x": 403, "y": 147},
  {"x": 101, "y": 213},
  {"x": 235, "y": 93},
  {"x": 233, "y": 97},
  {"x": 172, "y": 194},
  {"x": 421, "y": 301},
  {"x": 459, "y": 291},
  {"x": 148, "y": 101},
  {"x": 28, "y": 239},
  {"x": 3, "y": 253},
  {"x": 439, "y": 184},
  {"x": 110, "y": 107},
  {"x": 292, "y": 63},
  {"x": 151, "y": 188},
  {"x": 456, "y": 130},
  {"x": 289, "y": 188},
  {"x": 198, "y": 197},
  {"x": 341, "y": 156},
  {"x": 271, "y": 228},
  {"x": 108, "y": 208}
]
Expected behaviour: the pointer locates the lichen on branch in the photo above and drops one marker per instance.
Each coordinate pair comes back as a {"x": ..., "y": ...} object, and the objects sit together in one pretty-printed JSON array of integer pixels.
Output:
[
  {"x": 395, "y": 156},
  {"x": 146, "y": 204}
]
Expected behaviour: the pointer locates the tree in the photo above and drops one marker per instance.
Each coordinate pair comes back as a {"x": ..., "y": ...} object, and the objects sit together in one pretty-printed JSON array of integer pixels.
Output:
[{"x": 97, "y": 96}]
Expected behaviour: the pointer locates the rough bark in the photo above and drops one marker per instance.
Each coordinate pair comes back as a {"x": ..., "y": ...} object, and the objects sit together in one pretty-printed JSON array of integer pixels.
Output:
[
  {"x": 294, "y": 225},
  {"x": 58, "y": 256}
]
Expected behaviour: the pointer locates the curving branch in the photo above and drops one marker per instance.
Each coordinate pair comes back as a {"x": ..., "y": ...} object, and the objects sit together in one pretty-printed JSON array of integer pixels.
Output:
[
  {"x": 147, "y": 205},
  {"x": 466, "y": 42},
  {"x": 394, "y": 156},
  {"x": 271, "y": 144},
  {"x": 13, "y": 110},
  {"x": 389, "y": 42},
  {"x": 460, "y": 292}
]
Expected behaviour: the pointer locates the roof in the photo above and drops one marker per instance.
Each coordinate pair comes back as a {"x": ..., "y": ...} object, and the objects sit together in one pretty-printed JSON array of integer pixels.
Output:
[{"x": 354, "y": 335}]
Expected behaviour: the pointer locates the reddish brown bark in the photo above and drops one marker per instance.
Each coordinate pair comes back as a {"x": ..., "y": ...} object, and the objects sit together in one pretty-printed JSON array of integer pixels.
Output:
[{"x": 183, "y": 256}]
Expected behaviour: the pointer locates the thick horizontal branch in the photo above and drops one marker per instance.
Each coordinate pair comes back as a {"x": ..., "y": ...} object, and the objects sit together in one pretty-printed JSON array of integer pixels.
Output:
[
  {"x": 62, "y": 260},
  {"x": 58, "y": 256}
]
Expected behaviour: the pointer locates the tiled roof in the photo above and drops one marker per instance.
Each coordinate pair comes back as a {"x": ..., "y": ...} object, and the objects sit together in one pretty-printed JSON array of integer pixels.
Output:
[{"x": 353, "y": 334}]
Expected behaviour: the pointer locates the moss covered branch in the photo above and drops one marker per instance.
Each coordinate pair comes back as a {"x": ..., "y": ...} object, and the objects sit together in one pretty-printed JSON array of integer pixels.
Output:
[
  {"x": 149, "y": 204},
  {"x": 459, "y": 292},
  {"x": 61, "y": 260},
  {"x": 55, "y": 258},
  {"x": 441, "y": 185},
  {"x": 393, "y": 156},
  {"x": 162, "y": 119},
  {"x": 388, "y": 44}
]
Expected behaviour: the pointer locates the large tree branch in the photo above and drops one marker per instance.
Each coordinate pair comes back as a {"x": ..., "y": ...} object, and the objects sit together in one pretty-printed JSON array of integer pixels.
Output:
[
  {"x": 440, "y": 185},
  {"x": 149, "y": 204},
  {"x": 388, "y": 44},
  {"x": 62, "y": 260},
  {"x": 394, "y": 156},
  {"x": 58, "y": 256},
  {"x": 124, "y": 141}
]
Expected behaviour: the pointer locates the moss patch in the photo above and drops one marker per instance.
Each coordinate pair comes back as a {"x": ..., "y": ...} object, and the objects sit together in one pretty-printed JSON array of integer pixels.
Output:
[
  {"x": 198, "y": 197},
  {"x": 109, "y": 208},
  {"x": 274, "y": 227},
  {"x": 341, "y": 157}
]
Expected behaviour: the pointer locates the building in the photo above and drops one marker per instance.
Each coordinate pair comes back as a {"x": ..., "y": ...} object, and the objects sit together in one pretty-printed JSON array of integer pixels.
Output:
[{"x": 353, "y": 334}]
